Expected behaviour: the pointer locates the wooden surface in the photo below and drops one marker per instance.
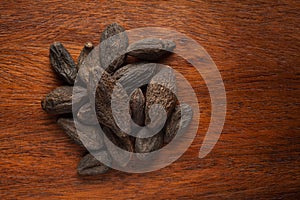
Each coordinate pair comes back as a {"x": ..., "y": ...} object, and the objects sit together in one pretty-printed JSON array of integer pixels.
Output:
[{"x": 255, "y": 45}]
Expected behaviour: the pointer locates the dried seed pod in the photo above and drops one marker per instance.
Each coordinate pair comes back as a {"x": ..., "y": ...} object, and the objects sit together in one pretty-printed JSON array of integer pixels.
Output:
[
  {"x": 147, "y": 145},
  {"x": 86, "y": 115},
  {"x": 114, "y": 42},
  {"x": 178, "y": 121},
  {"x": 103, "y": 104},
  {"x": 62, "y": 63},
  {"x": 90, "y": 62},
  {"x": 137, "y": 107},
  {"x": 89, "y": 165},
  {"x": 161, "y": 94},
  {"x": 86, "y": 136},
  {"x": 112, "y": 143},
  {"x": 88, "y": 47},
  {"x": 80, "y": 96},
  {"x": 151, "y": 48},
  {"x": 135, "y": 75},
  {"x": 59, "y": 101}
]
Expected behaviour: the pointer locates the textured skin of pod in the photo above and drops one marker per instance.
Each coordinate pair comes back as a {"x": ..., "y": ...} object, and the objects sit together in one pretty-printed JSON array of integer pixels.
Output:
[
  {"x": 124, "y": 143},
  {"x": 89, "y": 165},
  {"x": 114, "y": 42},
  {"x": 86, "y": 115},
  {"x": 58, "y": 101},
  {"x": 147, "y": 145},
  {"x": 151, "y": 49},
  {"x": 135, "y": 75},
  {"x": 62, "y": 63},
  {"x": 137, "y": 107},
  {"x": 178, "y": 122},
  {"x": 103, "y": 101},
  {"x": 87, "y": 136},
  {"x": 161, "y": 90}
]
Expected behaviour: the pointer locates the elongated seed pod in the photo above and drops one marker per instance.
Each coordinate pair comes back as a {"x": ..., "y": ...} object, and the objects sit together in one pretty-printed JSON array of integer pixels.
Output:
[
  {"x": 151, "y": 49},
  {"x": 178, "y": 122},
  {"x": 58, "y": 101},
  {"x": 89, "y": 165},
  {"x": 86, "y": 136},
  {"x": 114, "y": 42},
  {"x": 62, "y": 63}
]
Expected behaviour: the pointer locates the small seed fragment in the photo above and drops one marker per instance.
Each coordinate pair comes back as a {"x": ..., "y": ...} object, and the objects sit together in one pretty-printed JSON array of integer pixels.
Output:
[
  {"x": 58, "y": 101},
  {"x": 62, "y": 63},
  {"x": 114, "y": 42},
  {"x": 178, "y": 122},
  {"x": 89, "y": 165},
  {"x": 151, "y": 49},
  {"x": 86, "y": 136}
]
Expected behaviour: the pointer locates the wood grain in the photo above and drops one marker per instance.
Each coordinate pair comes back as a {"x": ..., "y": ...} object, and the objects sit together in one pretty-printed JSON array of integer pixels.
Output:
[{"x": 255, "y": 45}]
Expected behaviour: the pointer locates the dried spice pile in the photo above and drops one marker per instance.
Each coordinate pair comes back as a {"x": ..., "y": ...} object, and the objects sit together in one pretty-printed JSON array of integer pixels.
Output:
[{"x": 146, "y": 82}]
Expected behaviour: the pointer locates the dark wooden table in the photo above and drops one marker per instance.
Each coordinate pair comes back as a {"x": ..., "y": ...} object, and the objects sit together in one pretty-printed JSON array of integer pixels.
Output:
[{"x": 255, "y": 45}]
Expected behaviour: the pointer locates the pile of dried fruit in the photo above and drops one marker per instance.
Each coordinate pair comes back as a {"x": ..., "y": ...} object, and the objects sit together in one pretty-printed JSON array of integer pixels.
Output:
[{"x": 146, "y": 83}]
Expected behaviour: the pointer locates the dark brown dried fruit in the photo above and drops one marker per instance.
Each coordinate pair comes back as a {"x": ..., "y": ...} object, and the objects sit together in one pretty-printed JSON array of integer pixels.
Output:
[
  {"x": 136, "y": 75},
  {"x": 112, "y": 143},
  {"x": 88, "y": 47},
  {"x": 137, "y": 107},
  {"x": 86, "y": 115},
  {"x": 89, "y": 165},
  {"x": 86, "y": 136},
  {"x": 114, "y": 42},
  {"x": 151, "y": 49},
  {"x": 103, "y": 101},
  {"x": 62, "y": 63},
  {"x": 59, "y": 101},
  {"x": 90, "y": 62},
  {"x": 162, "y": 91},
  {"x": 178, "y": 121},
  {"x": 147, "y": 145}
]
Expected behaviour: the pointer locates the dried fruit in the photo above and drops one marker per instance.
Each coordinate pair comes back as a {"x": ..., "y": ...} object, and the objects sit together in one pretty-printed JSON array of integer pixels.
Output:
[
  {"x": 86, "y": 115},
  {"x": 114, "y": 42},
  {"x": 149, "y": 144},
  {"x": 86, "y": 136},
  {"x": 113, "y": 144},
  {"x": 59, "y": 101},
  {"x": 151, "y": 48},
  {"x": 89, "y": 165},
  {"x": 136, "y": 75},
  {"x": 62, "y": 63},
  {"x": 137, "y": 107},
  {"x": 178, "y": 121},
  {"x": 161, "y": 94}
]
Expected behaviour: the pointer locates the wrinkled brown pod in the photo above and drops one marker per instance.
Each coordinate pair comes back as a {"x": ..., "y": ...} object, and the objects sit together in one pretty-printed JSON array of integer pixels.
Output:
[
  {"x": 162, "y": 91},
  {"x": 178, "y": 122},
  {"x": 62, "y": 63},
  {"x": 112, "y": 143},
  {"x": 58, "y": 101},
  {"x": 151, "y": 49},
  {"x": 86, "y": 136},
  {"x": 113, "y": 49},
  {"x": 86, "y": 115},
  {"x": 137, "y": 107},
  {"x": 89, "y": 165}
]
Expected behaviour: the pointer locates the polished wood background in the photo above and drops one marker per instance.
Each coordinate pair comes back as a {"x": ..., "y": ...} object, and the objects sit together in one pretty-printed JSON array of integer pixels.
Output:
[{"x": 255, "y": 45}]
